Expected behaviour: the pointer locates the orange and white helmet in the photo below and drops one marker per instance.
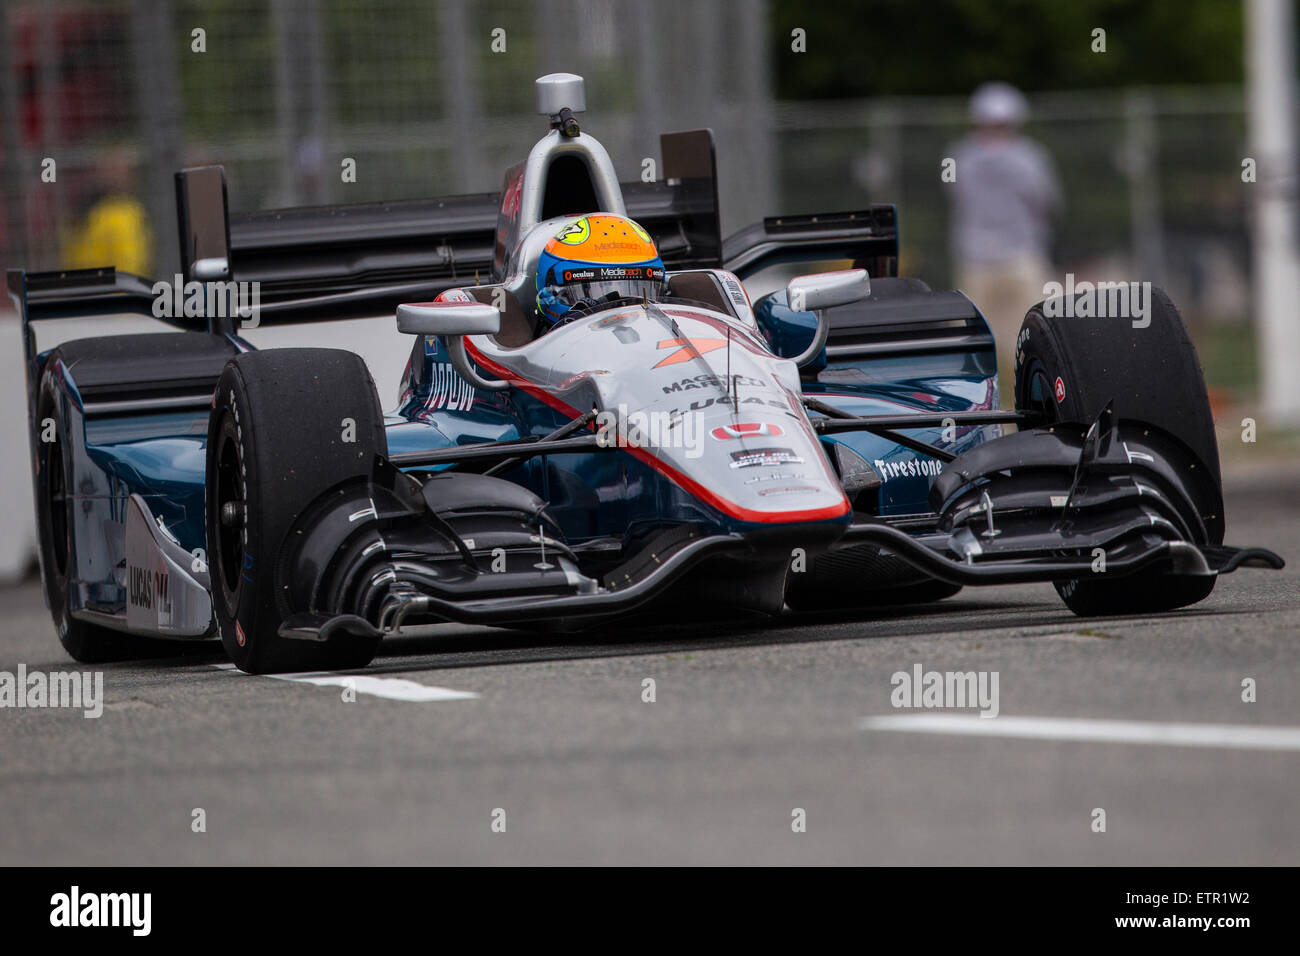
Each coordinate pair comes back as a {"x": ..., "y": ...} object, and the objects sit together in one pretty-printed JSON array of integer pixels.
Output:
[{"x": 597, "y": 259}]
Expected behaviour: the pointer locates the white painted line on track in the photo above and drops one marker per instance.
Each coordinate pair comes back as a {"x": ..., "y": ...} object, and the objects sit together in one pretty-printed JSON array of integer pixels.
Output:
[
  {"x": 390, "y": 688},
  {"x": 1234, "y": 736}
]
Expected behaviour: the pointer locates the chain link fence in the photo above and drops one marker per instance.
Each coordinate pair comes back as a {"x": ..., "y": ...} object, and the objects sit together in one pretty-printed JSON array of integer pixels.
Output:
[
  {"x": 423, "y": 99},
  {"x": 1152, "y": 180},
  {"x": 435, "y": 99}
]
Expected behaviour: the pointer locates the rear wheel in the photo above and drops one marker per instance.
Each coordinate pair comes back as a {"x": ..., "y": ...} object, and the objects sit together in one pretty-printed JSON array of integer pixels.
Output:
[
  {"x": 86, "y": 643},
  {"x": 288, "y": 425},
  {"x": 1068, "y": 367}
]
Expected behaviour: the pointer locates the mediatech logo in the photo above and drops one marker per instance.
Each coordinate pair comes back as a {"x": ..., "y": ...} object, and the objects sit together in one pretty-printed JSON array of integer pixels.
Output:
[{"x": 75, "y": 909}]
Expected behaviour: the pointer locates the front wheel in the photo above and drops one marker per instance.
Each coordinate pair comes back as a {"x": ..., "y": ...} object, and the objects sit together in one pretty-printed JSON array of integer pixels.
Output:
[
  {"x": 1069, "y": 366},
  {"x": 287, "y": 425}
]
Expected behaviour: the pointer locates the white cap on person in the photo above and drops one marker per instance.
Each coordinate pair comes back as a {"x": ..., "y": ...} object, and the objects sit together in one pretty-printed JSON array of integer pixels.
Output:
[{"x": 998, "y": 104}]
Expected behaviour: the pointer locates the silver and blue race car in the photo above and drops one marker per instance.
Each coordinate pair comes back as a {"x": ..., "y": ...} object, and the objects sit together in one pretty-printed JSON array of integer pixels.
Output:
[{"x": 836, "y": 443}]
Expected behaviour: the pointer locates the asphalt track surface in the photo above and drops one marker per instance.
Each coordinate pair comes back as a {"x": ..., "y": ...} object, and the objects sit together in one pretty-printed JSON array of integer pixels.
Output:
[{"x": 749, "y": 723}]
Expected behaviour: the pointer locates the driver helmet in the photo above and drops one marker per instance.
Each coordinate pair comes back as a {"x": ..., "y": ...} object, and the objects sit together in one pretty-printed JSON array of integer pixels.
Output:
[{"x": 596, "y": 259}]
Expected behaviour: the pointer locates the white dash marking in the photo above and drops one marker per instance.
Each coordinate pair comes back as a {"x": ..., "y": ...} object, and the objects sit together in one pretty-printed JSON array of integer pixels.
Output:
[
  {"x": 1233, "y": 736},
  {"x": 390, "y": 688}
]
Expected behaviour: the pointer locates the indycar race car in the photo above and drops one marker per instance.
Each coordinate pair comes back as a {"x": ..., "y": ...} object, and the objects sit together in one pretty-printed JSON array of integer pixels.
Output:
[{"x": 693, "y": 452}]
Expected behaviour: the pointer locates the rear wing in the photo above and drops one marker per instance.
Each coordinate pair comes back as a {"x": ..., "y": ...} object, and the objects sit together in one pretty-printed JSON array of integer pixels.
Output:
[
  {"x": 317, "y": 263},
  {"x": 314, "y": 263},
  {"x": 85, "y": 293},
  {"x": 329, "y": 260},
  {"x": 867, "y": 237}
]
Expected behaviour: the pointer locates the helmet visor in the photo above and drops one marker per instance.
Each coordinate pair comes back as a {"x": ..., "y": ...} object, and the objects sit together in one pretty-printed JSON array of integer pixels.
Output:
[{"x": 599, "y": 283}]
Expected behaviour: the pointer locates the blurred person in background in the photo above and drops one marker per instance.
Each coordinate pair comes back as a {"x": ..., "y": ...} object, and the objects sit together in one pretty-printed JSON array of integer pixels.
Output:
[
  {"x": 115, "y": 229},
  {"x": 1003, "y": 199}
]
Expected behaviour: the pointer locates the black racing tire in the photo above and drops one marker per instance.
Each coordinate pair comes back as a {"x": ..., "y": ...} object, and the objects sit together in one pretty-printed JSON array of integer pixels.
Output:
[
  {"x": 1068, "y": 367},
  {"x": 1137, "y": 594},
  {"x": 275, "y": 444},
  {"x": 86, "y": 643}
]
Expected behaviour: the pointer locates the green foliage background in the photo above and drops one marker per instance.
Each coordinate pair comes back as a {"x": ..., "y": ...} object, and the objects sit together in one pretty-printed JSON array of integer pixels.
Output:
[{"x": 858, "y": 48}]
